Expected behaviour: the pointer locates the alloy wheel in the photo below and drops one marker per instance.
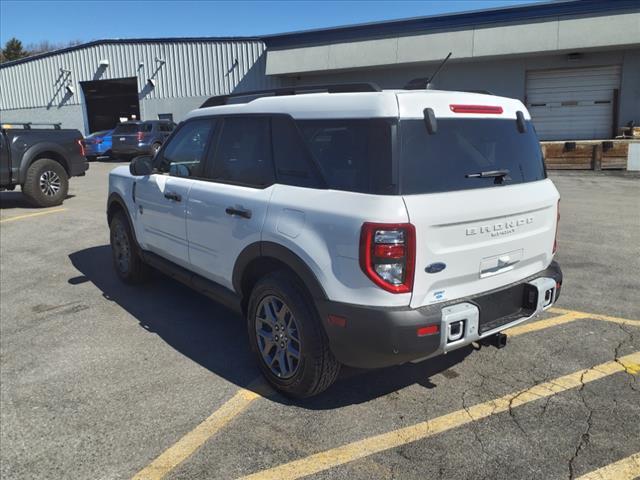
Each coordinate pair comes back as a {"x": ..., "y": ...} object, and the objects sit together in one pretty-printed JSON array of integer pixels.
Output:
[
  {"x": 278, "y": 337},
  {"x": 50, "y": 183}
]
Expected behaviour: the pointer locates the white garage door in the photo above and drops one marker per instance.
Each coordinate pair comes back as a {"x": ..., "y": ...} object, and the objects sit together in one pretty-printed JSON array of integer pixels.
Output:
[{"x": 573, "y": 104}]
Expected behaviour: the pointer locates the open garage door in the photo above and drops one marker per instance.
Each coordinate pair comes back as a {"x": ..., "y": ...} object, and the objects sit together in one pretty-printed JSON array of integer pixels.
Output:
[
  {"x": 109, "y": 100},
  {"x": 575, "y": 103}
]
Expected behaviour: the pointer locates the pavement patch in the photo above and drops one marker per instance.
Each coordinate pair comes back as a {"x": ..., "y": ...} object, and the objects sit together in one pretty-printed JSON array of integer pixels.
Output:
[
  {"x": 625, "y": 469},
  {"x": 192, "y": 441},
  {"x": 347, "y": 453}
]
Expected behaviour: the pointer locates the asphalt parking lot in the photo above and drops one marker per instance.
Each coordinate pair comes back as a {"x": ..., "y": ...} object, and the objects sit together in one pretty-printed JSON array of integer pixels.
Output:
[{"x": 100, "y": 380}]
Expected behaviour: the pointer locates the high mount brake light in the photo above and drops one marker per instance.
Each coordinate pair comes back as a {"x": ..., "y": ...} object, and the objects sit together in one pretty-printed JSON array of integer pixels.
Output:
[
  {"x": 496, "y": 110},
  {"x": 388, "y": 255}
]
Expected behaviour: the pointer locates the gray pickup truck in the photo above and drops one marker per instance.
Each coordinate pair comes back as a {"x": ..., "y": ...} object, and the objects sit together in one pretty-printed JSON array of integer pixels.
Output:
[{"x": 40, "y": 160}]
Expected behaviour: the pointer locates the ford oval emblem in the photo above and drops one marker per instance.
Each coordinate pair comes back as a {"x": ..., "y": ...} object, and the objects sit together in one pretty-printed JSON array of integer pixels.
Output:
[{"x": 435, "y": 267}]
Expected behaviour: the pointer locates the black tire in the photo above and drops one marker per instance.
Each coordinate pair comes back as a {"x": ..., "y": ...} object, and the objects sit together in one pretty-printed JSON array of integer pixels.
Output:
[
  {"x": 46, "y": 183},
  {"x": 127, "y": 262},
  {"x": 316, "y": 368}
]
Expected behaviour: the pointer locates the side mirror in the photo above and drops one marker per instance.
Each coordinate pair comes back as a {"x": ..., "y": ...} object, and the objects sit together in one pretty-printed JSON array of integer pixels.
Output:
[{"x": 141, "y": 166}]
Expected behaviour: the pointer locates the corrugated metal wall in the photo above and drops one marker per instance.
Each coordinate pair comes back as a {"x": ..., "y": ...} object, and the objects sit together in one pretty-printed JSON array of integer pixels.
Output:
[{"x": 192, "y": 68}]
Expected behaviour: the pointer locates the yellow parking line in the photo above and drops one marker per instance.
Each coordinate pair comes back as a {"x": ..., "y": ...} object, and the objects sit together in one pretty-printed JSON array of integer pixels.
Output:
[
  {"x": 369, "y": 446},
  {"x": 29, "y": 215},
  {"x": 542, "y": 324},
  {"x": 192, "y": 441},
  {"x": 597, "y": 316},
  {"x": 626, "y": 469}
]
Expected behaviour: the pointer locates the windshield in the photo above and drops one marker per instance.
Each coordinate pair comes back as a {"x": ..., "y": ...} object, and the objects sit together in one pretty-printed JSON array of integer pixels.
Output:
[{"x": 465, "y": 154}]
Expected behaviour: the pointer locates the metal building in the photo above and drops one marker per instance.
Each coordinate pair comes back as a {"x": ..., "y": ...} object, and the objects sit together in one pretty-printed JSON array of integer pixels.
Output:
[
  {"x": 575, "y": 64},
  {"x": 93, "y": 86}
]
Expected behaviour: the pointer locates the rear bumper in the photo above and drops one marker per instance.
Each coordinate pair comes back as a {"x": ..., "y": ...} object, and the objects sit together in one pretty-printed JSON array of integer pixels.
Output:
[
  {"x": 374, "y": 337},
  {"x": 140, "y": 149}
]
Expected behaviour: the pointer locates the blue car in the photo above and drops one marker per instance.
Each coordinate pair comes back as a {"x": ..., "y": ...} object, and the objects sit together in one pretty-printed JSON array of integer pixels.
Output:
[{"x": 98, "y": 144}]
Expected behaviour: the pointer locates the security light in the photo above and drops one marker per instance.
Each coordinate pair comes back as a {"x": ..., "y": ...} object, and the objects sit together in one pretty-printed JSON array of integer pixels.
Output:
[
  {"x": 161, "y": 61},
  {"x": 104, "y": 63},
  {"x": 151, "y": 82},
  {"x": 70, "y": 90}
]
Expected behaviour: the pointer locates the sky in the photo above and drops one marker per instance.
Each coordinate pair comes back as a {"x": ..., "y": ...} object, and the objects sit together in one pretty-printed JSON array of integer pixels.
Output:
[{"x": 64, "y": 21}]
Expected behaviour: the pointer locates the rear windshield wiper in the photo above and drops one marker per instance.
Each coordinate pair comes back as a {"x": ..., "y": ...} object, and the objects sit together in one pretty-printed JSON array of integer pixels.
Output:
[{"x": 499, "y": 175}]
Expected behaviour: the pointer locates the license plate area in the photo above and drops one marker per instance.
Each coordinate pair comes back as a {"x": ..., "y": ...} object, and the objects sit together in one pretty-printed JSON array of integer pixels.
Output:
[{"x": 505, "y": 306}]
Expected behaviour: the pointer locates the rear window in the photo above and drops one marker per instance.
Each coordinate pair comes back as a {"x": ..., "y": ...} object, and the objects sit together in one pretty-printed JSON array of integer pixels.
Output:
[
  {"x": 127, "y": 128},
  {"x": 439, "y": 162},
  {"x": 353, "y": 155}
]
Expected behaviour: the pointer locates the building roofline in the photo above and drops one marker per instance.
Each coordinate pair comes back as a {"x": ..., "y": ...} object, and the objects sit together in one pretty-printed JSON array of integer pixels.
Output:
[
  {"x": 416, "y": 25},
  {"x": 407, "y": 26},
  {"x": 112, "y": 41}
]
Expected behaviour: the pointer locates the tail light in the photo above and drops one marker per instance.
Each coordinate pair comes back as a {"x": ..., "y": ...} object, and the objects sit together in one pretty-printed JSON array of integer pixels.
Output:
[
  {"x": 98, "y": 141},
  {"x": 555, "y": 240},
  {"x": 388, "y": 255},
  {"x": 81, "y": 147},
  {"x": 140, "y": 136}
]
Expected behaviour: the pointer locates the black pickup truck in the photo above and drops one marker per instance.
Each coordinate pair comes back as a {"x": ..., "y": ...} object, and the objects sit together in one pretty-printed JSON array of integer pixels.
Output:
[{"x": 40, "y": 160}]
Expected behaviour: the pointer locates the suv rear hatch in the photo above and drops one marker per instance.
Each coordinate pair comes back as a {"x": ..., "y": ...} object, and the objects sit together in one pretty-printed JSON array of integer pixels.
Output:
[
  {"x": 126, "y": 136},
  {"x": 476, "y": 191}
]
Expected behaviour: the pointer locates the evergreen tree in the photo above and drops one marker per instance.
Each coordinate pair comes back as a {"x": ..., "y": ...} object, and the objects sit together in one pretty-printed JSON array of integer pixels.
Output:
[{"x": 13, "y": 50}]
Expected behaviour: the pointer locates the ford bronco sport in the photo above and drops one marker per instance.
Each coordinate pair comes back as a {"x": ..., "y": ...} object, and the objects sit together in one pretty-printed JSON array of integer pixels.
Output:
[{"x": 347, "y": 224}]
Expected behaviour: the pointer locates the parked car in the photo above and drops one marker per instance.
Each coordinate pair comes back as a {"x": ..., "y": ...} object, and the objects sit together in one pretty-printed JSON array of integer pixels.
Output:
[
  {"x": 139, "y": 138},
  {"x": 40, "y": 161},
  {"x": 365, "y": 228},
  {"x": 98, "y": 144}
]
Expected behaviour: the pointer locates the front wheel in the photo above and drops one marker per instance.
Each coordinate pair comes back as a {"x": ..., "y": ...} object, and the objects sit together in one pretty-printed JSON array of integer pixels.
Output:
[
  {"x": 127, "y": 262},
  {"x": 287, "y": 338},
  {"x": 46, "y": 183}
]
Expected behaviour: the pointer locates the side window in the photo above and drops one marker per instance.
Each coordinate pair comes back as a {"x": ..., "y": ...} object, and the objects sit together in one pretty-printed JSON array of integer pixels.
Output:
[
  {"x": 146, "y": 127},
  {"x": 184, "y": 153},
  {"x": 291, "y": 157},
  {"x": 166, "y": 127},
  {"x": 243, "y": 154},
  {"x": 353, "y": 155}
]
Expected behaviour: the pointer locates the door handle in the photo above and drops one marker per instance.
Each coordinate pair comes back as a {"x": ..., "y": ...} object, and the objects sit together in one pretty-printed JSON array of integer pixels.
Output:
[
  {"x": 173, "y": 196},
  {"x": 239, "y": 212}
]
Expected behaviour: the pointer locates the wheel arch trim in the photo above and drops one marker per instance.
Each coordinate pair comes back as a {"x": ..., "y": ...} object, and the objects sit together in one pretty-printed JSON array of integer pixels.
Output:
[{"x": 270, "y": 250}]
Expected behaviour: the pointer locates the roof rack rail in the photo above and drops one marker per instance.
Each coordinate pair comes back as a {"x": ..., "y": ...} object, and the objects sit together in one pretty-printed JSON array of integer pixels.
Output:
[
  {"x": 28, "y": 125},
  {"x": 294, "y": 90}
]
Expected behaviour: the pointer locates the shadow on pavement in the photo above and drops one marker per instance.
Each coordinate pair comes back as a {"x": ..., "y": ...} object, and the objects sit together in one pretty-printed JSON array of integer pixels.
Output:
[
  {"x": 216, "y": 338},
  {"x": 18, "y": 200}
]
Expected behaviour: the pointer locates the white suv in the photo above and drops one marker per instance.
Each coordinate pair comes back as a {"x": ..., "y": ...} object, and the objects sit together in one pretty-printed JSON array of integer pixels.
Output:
[{"x": 349, "y": 226}]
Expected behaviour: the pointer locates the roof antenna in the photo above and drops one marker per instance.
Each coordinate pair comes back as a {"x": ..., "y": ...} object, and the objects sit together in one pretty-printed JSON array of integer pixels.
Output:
[{"x": 429, "y": 85}]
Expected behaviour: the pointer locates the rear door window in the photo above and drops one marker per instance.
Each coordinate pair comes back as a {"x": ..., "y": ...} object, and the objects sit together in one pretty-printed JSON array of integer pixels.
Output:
[
  {"x": 440, "y": 162},
  {"x": 243, "y": 154},
  {"x": 294, "y": 165},
  {"x": 353, "y": 155}
]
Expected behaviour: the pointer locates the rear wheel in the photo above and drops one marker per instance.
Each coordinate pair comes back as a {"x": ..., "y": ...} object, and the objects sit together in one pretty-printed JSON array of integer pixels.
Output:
[
  {"x": 287, "y": 338},
  {"x": 127, "y": 262},
  {"x": 46, "y": 183},
  {"x": 155, "y": 148}
]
